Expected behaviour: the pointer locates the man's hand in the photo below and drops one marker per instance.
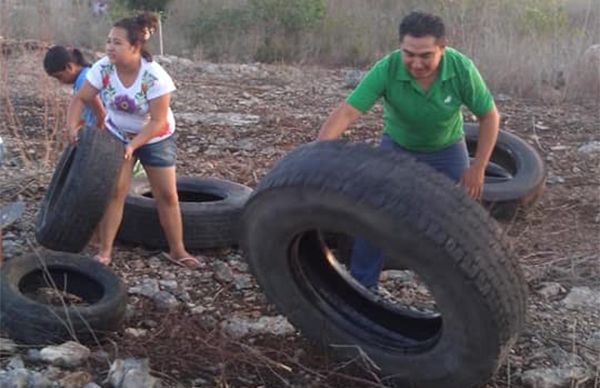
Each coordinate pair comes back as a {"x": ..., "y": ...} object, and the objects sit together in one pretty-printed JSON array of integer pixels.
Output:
[
  {"x": 338, "y": 121},
  {"x": 472, "y": 181}
]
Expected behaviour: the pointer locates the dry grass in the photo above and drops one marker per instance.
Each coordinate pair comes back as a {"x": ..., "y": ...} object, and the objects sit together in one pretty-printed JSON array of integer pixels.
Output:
[
  {"x": 531, "y": 48},
  {"x": 174, "y": 349}
]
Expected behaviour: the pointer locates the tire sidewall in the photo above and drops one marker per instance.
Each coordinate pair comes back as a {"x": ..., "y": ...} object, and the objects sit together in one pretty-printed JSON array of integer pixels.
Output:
[
  {"x": 529, "y": 176},
  {"x": 233, "y": 195},
  {"x": 206, "y": 224},
  {"x": 103, "y": 315}
]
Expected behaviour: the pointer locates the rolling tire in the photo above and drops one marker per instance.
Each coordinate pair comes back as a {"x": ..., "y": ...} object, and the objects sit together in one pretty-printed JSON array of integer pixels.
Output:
[{"x": 422, "y": 222}]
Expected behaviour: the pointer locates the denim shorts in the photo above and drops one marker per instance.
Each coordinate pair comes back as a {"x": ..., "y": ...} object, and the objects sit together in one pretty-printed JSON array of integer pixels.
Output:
[{"x": 159, "y": 154}]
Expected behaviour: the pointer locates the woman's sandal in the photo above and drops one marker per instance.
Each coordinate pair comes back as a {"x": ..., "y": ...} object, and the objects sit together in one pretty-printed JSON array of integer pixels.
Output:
[{"x": 189, "y": 262}]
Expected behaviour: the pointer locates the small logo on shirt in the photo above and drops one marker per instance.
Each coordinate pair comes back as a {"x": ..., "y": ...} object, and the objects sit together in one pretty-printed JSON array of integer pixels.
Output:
[{"x": 448, "y": 100}]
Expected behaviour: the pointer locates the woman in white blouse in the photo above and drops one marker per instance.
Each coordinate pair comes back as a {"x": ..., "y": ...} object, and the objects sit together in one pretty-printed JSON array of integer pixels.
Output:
[{"x": 136, "y": 93}]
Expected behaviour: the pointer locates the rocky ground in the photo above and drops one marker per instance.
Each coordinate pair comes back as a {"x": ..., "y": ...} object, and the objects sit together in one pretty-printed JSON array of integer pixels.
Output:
[{"x": 213, "y": 327}]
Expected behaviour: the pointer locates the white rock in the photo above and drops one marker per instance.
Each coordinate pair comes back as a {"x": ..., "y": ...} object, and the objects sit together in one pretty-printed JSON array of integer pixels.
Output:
[
  {"x": 148, "y": 288},
  {"x": 16, "y": 362},
  {"x": 169, "y": 285},
  {"x": 554, "y": 179},
  {"x": 239, "y": 327},
  {"x": 592, "y": 147},
  {"x": 554, "y": 378},
  {"x": 76, "y": 379},
  {"x": 223, "y": 272},
  {"x": 242, "y": 281},
  {"x": 198, "y": 310},
  {"x": 136, "y": 333},
  {"x": 583, "y": 297},
  {"x": 550, "y": 289},
  {"x": 7, "y": 346},
  {"x": 131, "y": 373},
  {"x": 165, "y": 301},
  {"x": 70, "y": 354},
  {"x": 594, "y": 341}
]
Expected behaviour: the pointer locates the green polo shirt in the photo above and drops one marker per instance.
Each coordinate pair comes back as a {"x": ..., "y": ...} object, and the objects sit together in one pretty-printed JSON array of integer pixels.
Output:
[{"x": 421, "y": 121}]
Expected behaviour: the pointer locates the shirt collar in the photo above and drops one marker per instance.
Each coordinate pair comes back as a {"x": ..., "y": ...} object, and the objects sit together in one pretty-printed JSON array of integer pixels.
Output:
[
  {"x": 81, "y": 75},
  {"x": 445, "y": 73}
]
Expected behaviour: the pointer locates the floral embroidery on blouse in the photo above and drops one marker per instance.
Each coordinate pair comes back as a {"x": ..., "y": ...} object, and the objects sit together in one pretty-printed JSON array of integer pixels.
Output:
[
  {"x": 148, "y": 81},
  {"x": 124, "y": 103},
  {"x": 108, "y": 91}
]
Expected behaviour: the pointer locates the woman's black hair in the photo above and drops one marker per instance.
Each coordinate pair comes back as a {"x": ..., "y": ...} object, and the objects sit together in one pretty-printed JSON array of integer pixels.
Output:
[
  {"x": 139, "y": 29},
  {"x": 58, "y": 57}
]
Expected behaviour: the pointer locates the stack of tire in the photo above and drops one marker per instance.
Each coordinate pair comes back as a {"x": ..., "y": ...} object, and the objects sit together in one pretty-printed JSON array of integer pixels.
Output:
[
  {"x": 74, "y": 203},
  {"x": 83, "y": 184},
  {"x": 71, "y": 209}
]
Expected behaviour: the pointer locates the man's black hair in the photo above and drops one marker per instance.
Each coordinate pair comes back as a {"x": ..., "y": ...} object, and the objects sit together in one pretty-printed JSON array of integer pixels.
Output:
[{"x": 420, "y": 24}]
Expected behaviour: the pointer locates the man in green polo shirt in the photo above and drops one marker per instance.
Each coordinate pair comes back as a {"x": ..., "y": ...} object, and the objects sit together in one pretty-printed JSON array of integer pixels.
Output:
[{"x": 423, "y": 86}]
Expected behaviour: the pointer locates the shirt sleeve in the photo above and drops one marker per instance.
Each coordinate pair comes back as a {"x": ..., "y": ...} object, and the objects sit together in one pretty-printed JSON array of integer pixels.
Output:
[
  {"x": 370, "y": 88},
  {"x": 93, "y": 76},
  {"x": 161, "y": 82},
  {"x": 476, "y": 95}
]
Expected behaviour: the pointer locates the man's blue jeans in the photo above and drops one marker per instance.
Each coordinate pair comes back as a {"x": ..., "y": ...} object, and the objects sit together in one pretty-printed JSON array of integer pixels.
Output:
[{"x": 367, "y": 260}]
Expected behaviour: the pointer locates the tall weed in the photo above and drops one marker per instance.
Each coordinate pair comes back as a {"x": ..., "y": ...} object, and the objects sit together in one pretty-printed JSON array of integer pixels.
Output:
[{"x": 532, "y": 48}]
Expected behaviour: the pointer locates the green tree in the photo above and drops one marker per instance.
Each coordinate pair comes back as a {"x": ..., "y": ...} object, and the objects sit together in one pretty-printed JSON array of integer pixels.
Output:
[
  {"x": 146, "y": 5},
  {"x": 124, "y": 8},
  {"x": 291, "y": 16},
  {"x": 284, "y": 24}
]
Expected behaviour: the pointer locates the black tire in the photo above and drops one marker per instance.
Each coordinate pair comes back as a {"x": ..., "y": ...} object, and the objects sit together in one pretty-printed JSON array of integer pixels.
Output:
[
  {"x": 79, "y": 191},
  {"x": 31, "y": 321},
  {"x": 210, "y": 210},
  {"x": 515, "y": 177},
  {"x": 422, "y": 222}
]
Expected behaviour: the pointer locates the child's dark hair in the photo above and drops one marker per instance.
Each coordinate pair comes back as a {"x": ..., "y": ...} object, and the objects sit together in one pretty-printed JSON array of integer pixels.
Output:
[
  {"x": 420, "y": 24},
  {"x": 58, "y": 57},
  {"x": 139, "y": 29}
]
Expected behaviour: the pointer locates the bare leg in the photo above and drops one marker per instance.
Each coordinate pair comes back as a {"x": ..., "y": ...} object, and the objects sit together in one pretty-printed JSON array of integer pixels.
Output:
[
  {"x": 95, "y": 239},
  {"x": 109, "y": 225},
  {"x": 164, "y": 189}
]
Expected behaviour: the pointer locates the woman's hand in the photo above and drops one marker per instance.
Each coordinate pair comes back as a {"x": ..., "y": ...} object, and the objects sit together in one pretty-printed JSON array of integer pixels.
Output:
[
  {"x": 71, "y": 135},
  {"x": 100, "y": 123},
  {"x": 129, "y": 149}
]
